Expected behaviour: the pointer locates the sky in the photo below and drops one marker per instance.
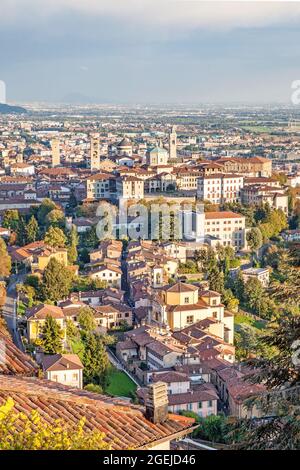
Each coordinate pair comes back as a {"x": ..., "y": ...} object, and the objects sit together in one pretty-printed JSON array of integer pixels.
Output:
[{"x": 149, "y": 51}]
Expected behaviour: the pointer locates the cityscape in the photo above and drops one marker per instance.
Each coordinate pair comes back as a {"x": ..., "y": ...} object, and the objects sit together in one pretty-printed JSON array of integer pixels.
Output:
[{"x": 149, "y": 271}]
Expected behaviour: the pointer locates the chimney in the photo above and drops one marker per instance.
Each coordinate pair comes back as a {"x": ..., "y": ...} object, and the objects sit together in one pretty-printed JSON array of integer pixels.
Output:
[{"x": 157, "y": 402}]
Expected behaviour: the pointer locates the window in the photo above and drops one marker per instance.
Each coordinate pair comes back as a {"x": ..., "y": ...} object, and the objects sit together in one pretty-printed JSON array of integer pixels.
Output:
[
  {"x": 200, "y": 404},
  {"x": 186, "y": 300},
  {"x": 210, "y": 403},
  {"x": 75, "y": 376},
  {"x": 190, "y": 319}
]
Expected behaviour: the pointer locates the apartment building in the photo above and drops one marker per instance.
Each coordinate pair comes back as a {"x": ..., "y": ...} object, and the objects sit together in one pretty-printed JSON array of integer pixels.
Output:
[
  {"x": 100, "y": 186},
  {"x": 220, "y": 188},
  {"x": 226, "y": 228},
  {"x": 250, "y": 166},
  {"x": 259, "y": 194},
  {"x": 130, "y": 187}
]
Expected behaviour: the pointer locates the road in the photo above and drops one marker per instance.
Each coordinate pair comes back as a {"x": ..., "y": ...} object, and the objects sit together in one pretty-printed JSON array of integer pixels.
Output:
[{"x": 10, "y": 310}]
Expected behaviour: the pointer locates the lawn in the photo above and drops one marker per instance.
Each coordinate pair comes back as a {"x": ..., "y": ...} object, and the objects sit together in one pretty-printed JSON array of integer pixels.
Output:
[
  {"x": 120, "y": 384},
  {"x": 77, "y": 347},
  {"x": 239, "y": 319},
  {"x": 21, "y": 308}
]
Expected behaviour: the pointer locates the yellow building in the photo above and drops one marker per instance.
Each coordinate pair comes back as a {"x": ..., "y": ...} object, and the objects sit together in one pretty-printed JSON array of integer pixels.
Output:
[
  {"x": 181, "y": 305},
  {"x": 43, "y": 257},
  {"x": 36, "y": 317},
  {"x": 37, "y": 255}
]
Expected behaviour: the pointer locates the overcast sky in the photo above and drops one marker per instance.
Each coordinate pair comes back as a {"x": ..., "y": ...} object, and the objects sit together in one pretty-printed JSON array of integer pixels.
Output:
[{"x": 133, "y": 51}]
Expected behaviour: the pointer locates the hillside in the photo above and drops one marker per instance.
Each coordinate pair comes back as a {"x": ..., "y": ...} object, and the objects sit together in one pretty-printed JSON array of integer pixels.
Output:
[{"x": 7, "y": 109}]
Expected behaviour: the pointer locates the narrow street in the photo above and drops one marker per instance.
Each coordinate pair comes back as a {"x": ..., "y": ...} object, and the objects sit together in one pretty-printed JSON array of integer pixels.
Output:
[{"x": 10, "y": 310}]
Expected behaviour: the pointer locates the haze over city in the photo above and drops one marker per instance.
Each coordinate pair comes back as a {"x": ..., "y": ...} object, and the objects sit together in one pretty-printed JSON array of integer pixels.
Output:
[
  {"x": 149, "y": 231},
  {"x": 149, "y": 51}
]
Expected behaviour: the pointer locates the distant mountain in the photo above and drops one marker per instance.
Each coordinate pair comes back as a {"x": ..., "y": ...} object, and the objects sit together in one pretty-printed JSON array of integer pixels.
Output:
[{"x": 7, "y": 109}]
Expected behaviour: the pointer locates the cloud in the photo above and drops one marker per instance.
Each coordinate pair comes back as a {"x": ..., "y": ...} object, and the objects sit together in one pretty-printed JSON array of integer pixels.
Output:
[{"x": 182, "y": 14}]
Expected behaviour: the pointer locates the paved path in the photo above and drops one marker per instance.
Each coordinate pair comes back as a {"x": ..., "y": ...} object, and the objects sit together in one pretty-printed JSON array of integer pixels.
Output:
[{"x": 9, "y": 310}]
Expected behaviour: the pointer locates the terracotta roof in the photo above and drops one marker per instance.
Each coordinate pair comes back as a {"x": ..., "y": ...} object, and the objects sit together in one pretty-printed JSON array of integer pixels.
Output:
[
  {"x": 124, "y": 426},
  {"x": 170, "y": 377},
  {"x": 223, "y": 215},
  {"x": 205, "y": 392},
  {"x": 61, "y": 362},
  {"x": 12, "y": 360},
  {"x": 181, "y": 287},
  {"x": 40, "y": 312}
]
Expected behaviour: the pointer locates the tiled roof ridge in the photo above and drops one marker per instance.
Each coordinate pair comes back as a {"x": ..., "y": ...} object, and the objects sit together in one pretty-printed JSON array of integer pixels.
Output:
[{"x": 66, "y": 394}]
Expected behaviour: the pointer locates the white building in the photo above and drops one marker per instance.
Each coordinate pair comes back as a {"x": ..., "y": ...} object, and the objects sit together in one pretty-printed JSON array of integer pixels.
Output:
[
  {"x": 226, "y": 228},
  {"x": 63, "y": 368},
  {"x": 219, "y": 188}
]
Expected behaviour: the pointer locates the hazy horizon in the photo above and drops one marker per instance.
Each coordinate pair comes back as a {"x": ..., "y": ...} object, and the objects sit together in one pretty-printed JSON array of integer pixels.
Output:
[{"x": 149, "y": 51}]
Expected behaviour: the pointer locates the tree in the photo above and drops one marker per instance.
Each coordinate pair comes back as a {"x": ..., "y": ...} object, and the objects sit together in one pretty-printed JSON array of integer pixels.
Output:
[
  {"x": 73, "y": 243},
  {"x": 5, "y": 260},
  {"x": 2, "y": 295},
  {"x": 98, "y": 284},
  {"x": 86, "y": 319},
  {"x": 55, "y": 237},
  {"x": 216, "y": 279},
  {"x": 281, "y": 376},
  {"x": 71, "y": 330},
  {"x": 44, "y": 209},
  {"x": 20, "y": 431},
  {"x": 73, "y": 200},
  {"x": 21, "y": 232},
  {"x": 213, "y": 428},
  {"x": 11, "y": 219},
  {"x": 93, "y": 388},
  {"x": 56, "y": 281},
  {"x": 90, "y": 239},
  {"x": 95, "y": 361},
  {"x": 230, "y": 300},
  {"x": 56, "y": 218},
  {"x": 52, "y": 336},
  {"x": 32, "y": 230},
  {"x": 254, "y": 238}
]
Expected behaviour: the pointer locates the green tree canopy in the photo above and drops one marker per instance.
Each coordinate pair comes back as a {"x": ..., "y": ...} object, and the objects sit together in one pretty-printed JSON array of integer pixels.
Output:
[
  {"x": 56, "y": 218},
  {"x": 254, "y": 238},
  {"x": 52, "y": 336},
  {"x": 11, "y": 219},
  {"x": 86, "y": 319},
  {"x": 95, "y": 361},
  {"x": 5, "y": 260},
  {"x": 56, "y": 281},
  {"x": 72, "y": 248},
  {"x": 32, "y": 230},
  {"x": 281, "y": 376},
  {"x": 55, "y": 237},
  {"x": 46, "y": 206}
]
